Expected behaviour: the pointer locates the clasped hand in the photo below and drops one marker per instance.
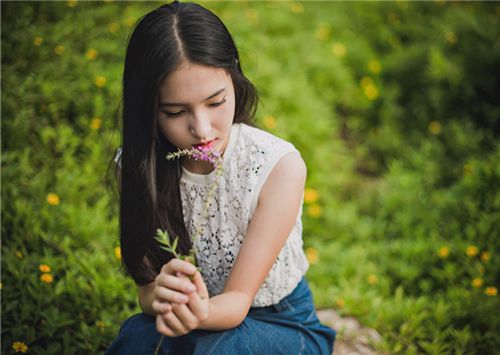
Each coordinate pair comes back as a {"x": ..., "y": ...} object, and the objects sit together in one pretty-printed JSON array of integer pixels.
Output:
[{"x": 180, "y": 304}]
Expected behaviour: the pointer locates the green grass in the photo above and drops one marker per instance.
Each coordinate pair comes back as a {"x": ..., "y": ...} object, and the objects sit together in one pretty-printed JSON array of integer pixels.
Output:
[{"x": 392, "y": 105}]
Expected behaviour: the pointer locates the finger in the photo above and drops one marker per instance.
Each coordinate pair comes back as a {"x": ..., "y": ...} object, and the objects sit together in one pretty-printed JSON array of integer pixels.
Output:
[
  {"x": 175, "y": 265},
  {"x": 201, "y": 287},
  {"x": 187, "y": 318},
  {"x": 161, "y": 307},
  {"x": 180, "y": 284},
  {"x": 163, "y": 328},
  {"x": 164, "y": 294},
  {"x": 173, "y": 322},
  {"x": 198, "y": 306}
]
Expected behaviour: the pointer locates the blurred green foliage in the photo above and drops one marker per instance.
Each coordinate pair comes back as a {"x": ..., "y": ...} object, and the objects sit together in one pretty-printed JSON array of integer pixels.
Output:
[{"x": 392, "y": 105}]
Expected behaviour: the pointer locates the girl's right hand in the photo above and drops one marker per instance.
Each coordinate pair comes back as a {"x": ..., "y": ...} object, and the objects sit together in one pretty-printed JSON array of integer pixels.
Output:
[{"x": 170, "y": 288}]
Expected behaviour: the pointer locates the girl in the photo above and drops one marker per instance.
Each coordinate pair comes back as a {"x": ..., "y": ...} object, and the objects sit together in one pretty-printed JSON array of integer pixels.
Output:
[{"x": 183, "y": 88}]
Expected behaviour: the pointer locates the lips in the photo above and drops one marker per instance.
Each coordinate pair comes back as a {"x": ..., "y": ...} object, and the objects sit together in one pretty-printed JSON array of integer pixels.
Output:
[{"x": 205, "y": 145}]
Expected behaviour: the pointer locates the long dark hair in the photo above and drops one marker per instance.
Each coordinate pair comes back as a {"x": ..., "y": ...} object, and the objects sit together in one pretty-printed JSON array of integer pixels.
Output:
[{"x": 149, "y": 184}]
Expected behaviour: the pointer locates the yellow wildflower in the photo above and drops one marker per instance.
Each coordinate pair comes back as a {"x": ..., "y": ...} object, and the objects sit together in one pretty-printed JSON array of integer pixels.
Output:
[
  {"x": 95, "y": 123},
  {"x": 118, "y": 253},
  {"x": 372, "y": 279},
  {"x": 72, "y": 3},
  {"x": 100, "y": 324},
  {"x": 59, "y": 49},
  {"x": 468, "y": 169},
  {"x": 113, "y": 27},
  {"x": 311, "y": 195},
  {"x": 129, "y": 21},
  {"x": 19, "y": 347},
  {"x": 443, "y": 252},
  {"x": 340, "y": 303},
  {"x": 314, "y": 210},
  {"x": 53, "y": 199},
  {"x": 323, "y": 33},
  {"x": 339, "y": 50},
  {"x": 47, "y": 278},
  {"x": 374, "y": 66},
  {"x": 471, "y": 251},
  {"x": 450, "y": 37},
  {"x": 297, "y": 7},
  {"x": 269, "y": 122},
  {"x": 434, "y": 127},
  {"x": 312, "y": 255},
  {"x": 371, "y": 92},
  {"x": 485, "y": 256},
  {"x": 491, "y": 291},
  {"x": 91, "y": 54},
  {"x": 252, "y": 15},
  {"x": 19, "y": 255},
  {"x": 1, "y": 285},
  {"x": 100, "y": 81},
  {"x": 37, "y": 41},
  {"x": 477, "y": 282},
  {"x": 44, "y": 268}
]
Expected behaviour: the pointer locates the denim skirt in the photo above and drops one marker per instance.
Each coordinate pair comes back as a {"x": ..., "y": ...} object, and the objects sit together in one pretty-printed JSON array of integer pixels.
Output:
[{"x": 289, "y": 327}]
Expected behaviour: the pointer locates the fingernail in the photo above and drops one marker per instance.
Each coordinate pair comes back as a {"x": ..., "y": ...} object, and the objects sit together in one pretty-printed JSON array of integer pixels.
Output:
[
  {"x": 182, "y": 298},
  {"x": 191, "y": 288}
]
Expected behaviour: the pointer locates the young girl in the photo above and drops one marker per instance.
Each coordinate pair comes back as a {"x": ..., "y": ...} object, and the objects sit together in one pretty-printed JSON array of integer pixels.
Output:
[{"x": 183, "y": 88}]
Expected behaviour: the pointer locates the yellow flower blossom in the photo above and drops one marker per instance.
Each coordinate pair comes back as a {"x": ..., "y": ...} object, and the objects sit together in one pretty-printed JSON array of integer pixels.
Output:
[
  {"x": 100, "y": 324},
  {"x": 374, "y": 66},
  {"x": 59, "y": 49},
  {"x": 37, "y": 41},
  {"x": 312, "y": 255},
  {"x": 491, "y": 291},
  {"x": 339, "y": 50},
  {"x": 252, "y": 15},
  {"x": 443, "y": 252},
  {"x": 72, "y": 3},
  {"x": 297, "y": 7},
  {"x": 269, "y": 122},
  {"x": 129, "y": 21},
  {"x": 44, "y": 268},
  {"x": 47, "y": 278},
  {"x": 100, "y": 81},
  {"x": 314, "y": 210},
  {"x": 323, "y": 33},
  {"x": 477, "y": 282},
  {"x": 485, "y": 256},
  {"x": 371, "y": 92},
  {"x": 95, "y": 123},
  {"x": 471, "y": 251},
  {"x": 113, "y": 27},
  {"x": 19, "y": 347},
  {"x": 434, "y": 127},
  {"x": 118, "y": 253},
  {"x": 450, "y": 37},
  {"x": 91, "y": 54},
  {"x": 340, "y": 303},
  {"x": 372, "y": 279},
  {"x": 311, "y": 195},
  {"x": 18, "y": 254},
  {"x": 53, "y": 199},
  {"x": 1, "y": 285},
  {"x": 468, "y": 169}
]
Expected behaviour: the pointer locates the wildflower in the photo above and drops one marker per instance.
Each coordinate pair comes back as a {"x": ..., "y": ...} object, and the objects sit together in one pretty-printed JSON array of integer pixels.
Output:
[
  {"x": 47, "y": 278},
  {"x": 95, "y": 123},
  {"x": 91, "y": 54},
  {"x": 100, "y": 324},
  {"x": 369, "y": 88},
  {"x": 44, "y": 268},
  {"x": 434, "y": 127},
  {"x": 72, "y": 3},
  {"x": 477, "y": 282},
  {"x": 269, "y": 122},
  {"x": 471, "y": 251},
  {"x": 339, "y": 49},
  {"x": 19, "y": 347},
  {"x": 100, "y": 81},
  {"x": 485, "y": 256},
  {"x": 443, "y": 252},
  {"x": 129, "y": 21},
  {"x": 37, "y": 41},
  {"x": 118, "y": 253},
  {"x": 311, "y": 195},
  {"x": 314, "y": 210},
  {"x": 18, "y": 254},
  {"x": 450, "y": 37},
  {"x": 1, "y": 285},
  {"x": 252, "y": 15},
  {"x": 491, "y": 291},
  {"x": 53, "y": 199},
  {"x": 297, "y": 7},
  {"x": 374, "y": 66},
  {"x": 372, "y": 279},
  {"x": 468, "y": 169},
  {"x": 113, "y": 27},
  {"x": 59, "y": 49},
  {"x": 340, "y": 303},
  {"x": 323, "y": 33},
  {"x": 312, "y": 255}
]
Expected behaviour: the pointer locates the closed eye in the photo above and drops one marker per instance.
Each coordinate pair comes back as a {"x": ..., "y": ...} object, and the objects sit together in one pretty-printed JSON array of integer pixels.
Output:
[
  {"x": 173, "y": 114},
  {"x": 216, "y": 104}
]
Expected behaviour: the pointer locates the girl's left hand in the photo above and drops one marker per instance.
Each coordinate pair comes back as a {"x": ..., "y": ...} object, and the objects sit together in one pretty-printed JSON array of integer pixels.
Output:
[{"x": 184, "y": 318}]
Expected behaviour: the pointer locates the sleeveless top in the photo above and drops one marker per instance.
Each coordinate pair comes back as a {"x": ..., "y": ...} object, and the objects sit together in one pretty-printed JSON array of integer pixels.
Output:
[
  {"x": 248, "y": 160},
  {"x": 249, "y": 157}
]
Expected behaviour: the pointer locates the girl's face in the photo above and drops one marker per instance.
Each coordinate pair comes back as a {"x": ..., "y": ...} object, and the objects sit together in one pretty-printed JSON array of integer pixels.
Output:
[{"x": 196, "y": 107}]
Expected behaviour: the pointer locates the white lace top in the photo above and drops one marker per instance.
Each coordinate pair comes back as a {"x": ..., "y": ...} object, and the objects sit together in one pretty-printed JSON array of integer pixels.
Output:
[{"x": 248, "y": 160}]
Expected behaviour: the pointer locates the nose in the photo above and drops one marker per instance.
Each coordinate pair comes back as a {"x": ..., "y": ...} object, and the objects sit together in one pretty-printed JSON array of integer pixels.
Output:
[{"x": 200, "y": 126}]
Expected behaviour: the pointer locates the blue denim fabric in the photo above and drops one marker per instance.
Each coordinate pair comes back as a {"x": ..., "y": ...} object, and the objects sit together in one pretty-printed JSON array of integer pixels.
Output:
[{"x": 289, "y": 327}]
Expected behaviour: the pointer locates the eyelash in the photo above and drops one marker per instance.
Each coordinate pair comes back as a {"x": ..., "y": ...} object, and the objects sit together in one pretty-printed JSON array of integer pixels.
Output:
[{"x": 177, "y": 114}]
